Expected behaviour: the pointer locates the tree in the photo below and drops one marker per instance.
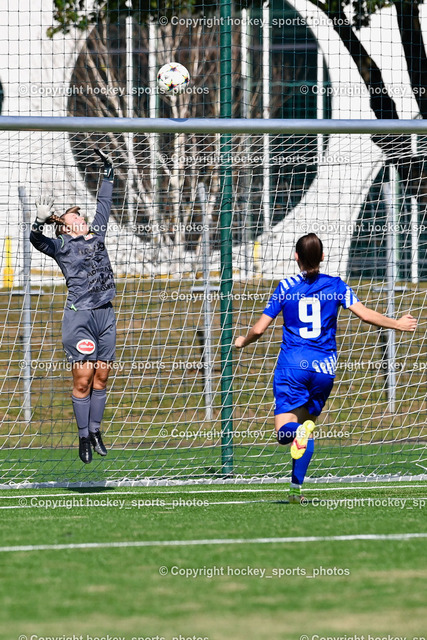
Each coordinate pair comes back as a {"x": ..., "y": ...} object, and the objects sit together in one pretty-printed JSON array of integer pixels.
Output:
[
  {"x": 397, "y": 149},
  {"x": 169, "y": 200},
  {"x": 73, "y": 13},
  {"x": 100, "y": 66}
]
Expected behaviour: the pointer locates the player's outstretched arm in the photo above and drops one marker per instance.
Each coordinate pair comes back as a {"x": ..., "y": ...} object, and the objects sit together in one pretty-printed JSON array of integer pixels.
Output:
[
  {"x": 405, "y": 323},
  {"x": 44, "y": 206},
  {"x": 108, "y": 165},
  {"x": 254, "y": 333},
  {"x": 104, "y": 199}
]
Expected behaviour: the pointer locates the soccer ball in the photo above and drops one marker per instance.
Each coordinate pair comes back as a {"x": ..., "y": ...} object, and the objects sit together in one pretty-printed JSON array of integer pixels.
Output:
[{"x": 173, "y": 77}]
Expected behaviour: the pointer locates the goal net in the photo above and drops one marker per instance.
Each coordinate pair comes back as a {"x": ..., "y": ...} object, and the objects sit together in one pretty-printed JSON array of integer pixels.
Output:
[
  {"x": 212, "y": 190},
  {"x": 203, "y": 227}
]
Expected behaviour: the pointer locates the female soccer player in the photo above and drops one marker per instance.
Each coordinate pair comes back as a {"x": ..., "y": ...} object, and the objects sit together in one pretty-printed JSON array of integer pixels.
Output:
[
  {"x": 305, "y": 370},
  {"x": 89, "y": 326}
]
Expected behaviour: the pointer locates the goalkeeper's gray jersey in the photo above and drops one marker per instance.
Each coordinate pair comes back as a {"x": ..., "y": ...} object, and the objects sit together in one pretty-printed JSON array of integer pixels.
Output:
[{"x": 84, "y": 263}]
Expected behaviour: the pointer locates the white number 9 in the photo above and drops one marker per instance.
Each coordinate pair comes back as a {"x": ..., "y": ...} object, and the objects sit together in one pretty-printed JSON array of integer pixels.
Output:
[{"x": 312, "y": 317}]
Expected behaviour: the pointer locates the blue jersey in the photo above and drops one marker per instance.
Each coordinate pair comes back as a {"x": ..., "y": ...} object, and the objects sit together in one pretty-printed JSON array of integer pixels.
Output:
[{"x": 310, "y": 310}]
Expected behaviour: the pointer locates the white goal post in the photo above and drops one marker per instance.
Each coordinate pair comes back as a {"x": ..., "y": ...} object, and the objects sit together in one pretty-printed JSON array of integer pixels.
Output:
[
  {"x": 211, "y": 125},
  {"x": 195, "y": 263}
]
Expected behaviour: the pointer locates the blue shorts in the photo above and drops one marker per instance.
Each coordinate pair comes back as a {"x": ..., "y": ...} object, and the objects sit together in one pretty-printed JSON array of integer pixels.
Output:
[
  {"x": 89, "y": 334},
  {"x": 295, "y": 388}
]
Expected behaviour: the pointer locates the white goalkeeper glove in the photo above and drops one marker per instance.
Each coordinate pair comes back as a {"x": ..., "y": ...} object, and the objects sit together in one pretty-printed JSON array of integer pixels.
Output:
[{"x": 44, "y": 207}]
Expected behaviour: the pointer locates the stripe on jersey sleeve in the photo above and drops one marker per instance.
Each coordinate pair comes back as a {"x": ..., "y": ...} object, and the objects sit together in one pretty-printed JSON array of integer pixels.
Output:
[{"x": 349, "y": 298}]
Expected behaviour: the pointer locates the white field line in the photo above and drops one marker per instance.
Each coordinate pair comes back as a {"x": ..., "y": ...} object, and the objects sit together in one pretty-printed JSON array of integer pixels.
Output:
[
  {"x": 182, "y": 490},
  {"x": 120, "y": 504},
  {"x": 214, "y": 541}
]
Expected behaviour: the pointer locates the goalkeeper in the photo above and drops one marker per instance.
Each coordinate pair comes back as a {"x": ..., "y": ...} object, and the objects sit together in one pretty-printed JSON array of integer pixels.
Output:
[
  {"x": 88, "y": 326},
  {"x": 305, "y": 370}
]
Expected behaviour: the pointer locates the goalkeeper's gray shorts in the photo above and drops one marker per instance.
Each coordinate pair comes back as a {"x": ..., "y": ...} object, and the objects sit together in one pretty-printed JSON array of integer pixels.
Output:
[{"x": 90, "y": 334}]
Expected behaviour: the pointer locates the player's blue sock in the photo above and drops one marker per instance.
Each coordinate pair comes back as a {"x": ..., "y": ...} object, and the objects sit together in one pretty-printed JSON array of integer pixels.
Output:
[
  {"x": 286, "y": 434},
  {"x": 300, "y": 466},
  {"x": 81, "y": 408},
  {"x": 97, "y": 405}
]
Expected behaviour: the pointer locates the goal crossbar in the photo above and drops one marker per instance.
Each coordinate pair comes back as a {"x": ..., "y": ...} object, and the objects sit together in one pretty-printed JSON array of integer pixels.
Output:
[{"x": 211, "y": 125}]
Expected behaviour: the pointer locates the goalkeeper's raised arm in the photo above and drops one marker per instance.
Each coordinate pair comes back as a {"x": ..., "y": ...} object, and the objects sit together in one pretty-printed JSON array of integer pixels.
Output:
[{"x": 103, "y": 209}]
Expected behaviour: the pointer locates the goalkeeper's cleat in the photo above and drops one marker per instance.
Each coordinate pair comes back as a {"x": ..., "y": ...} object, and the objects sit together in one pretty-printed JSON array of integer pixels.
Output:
[
  {"x": 85, "y": 450},
  {"x": 98, "y": 445},
  {"x": 299, "y": 445}
]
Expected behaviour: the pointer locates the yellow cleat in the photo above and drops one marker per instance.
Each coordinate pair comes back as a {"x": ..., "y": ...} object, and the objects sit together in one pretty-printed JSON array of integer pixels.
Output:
[
  {"x": 295, "y": 499},
  {"x": 299, "y": 445},
  {"x": 295, "y": 496}
]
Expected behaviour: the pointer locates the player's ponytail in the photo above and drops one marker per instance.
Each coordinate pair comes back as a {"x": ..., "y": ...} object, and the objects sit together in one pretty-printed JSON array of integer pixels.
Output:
[
  {"x": 310, "y": 251},
  {"x": 59, "y": 222},
  {"x": 60, "y": 226}
]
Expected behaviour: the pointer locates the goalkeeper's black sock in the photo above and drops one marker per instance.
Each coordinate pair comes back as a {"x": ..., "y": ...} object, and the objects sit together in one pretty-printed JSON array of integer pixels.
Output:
[
  {"x": 98, "y": 399},
  {"x": 81, "y": 408}
]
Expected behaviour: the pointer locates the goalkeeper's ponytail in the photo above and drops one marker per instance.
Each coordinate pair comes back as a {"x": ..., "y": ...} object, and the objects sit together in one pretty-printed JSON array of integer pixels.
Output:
[{"x": 60, "y": 226}]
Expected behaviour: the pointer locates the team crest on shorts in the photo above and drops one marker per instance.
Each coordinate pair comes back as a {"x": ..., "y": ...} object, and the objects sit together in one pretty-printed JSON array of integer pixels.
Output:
[{"x": 85, "y": 346}]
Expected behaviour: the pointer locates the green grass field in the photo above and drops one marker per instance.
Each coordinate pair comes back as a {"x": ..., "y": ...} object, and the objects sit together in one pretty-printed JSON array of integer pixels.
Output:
[
  {"x": 195, "y": 462},
  {"x": 268, "y": 581},
  {"x": 254, "y": 588}
]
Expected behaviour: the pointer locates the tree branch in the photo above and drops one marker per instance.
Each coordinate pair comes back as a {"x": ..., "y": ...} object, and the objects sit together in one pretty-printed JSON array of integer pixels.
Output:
[{"x": 408, "y": 20}]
